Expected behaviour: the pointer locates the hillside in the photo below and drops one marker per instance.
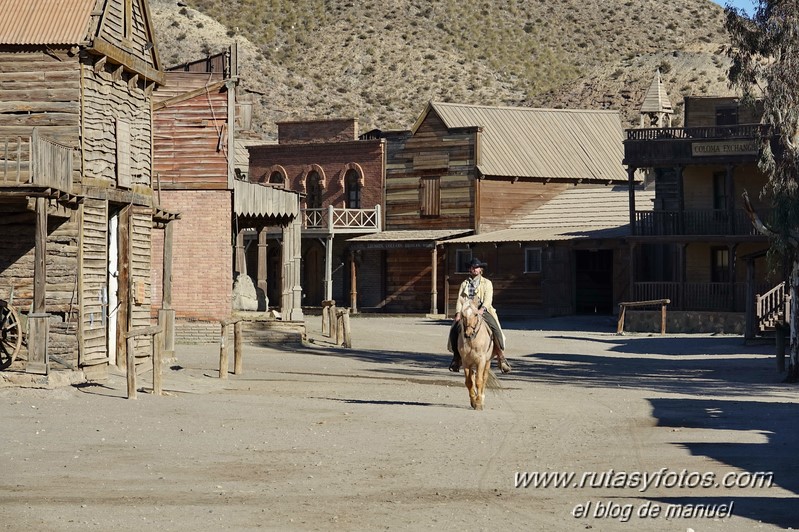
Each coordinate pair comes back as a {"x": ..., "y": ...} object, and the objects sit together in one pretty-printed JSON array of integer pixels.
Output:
[{"x": 380, "y": 62}]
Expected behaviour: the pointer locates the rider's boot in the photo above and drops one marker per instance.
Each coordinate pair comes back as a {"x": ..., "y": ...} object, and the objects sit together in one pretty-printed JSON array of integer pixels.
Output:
[
  {"x": 455, "y": 365},
  {"x": 503, "y": 363}
]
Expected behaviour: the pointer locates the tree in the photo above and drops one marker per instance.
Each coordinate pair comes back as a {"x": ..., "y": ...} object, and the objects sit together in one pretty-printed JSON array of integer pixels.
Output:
[{"x": 765, "y": 67}]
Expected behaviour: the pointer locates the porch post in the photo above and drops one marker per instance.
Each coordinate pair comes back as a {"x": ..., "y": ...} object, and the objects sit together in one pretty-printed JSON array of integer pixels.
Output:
[
  {"x": 167, "y": 315},
  {"x": 731, "y": 267},
  {"x": 241, "y": 260},
  {"x": 434, "y": 280},
  {"x": 261, "y": 274},
  {"x": 680, "y": 199},
  {"x": 633, "y": 249},
  {"x": 681, "y": 273},
  {"x": 631, "y": 187},
  {"x": 353, "y": 284},
  {"x": 729, "y": 184},
  {"x": 749, "y": 331},
  {"x": 296, "y": 288},
  {"x": 38, "y": 320},
  {"x": 328, "y": 267}
]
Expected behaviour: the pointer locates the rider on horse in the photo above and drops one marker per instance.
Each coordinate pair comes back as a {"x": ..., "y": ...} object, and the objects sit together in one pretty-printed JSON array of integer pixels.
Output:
[{"x": 480, "y": 287}]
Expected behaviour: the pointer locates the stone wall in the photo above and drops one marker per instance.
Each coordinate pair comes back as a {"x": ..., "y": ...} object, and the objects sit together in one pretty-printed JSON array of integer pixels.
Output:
[{"x": 685, "y": 321}]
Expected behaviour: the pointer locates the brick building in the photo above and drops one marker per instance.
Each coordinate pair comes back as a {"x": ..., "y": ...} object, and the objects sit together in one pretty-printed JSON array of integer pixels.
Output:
[{"x": 340, "y": 178}]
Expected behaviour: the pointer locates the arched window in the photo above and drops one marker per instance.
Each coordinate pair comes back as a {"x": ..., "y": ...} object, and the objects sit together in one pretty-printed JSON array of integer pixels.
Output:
[
  {"x": 313, "y": 199},
  {"x": 352, "y": 189},
  {"x": 276, "y": 178}
]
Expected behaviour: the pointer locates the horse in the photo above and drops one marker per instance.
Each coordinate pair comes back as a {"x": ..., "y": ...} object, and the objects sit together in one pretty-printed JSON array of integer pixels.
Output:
[{"x": 475, "y": 345}]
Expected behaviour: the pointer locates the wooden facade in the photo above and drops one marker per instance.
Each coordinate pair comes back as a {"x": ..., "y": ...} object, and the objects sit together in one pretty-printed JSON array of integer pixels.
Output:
[
  {"x": 476, "y": 169},
  {"x": 196, "y": 128},
  {"x": 697, "y": 247},
  {"x": 76, "y": 153}
]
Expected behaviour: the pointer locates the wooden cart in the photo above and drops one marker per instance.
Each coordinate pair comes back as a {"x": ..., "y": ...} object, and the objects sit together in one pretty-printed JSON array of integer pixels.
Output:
[{"x": 12, "y": 330}]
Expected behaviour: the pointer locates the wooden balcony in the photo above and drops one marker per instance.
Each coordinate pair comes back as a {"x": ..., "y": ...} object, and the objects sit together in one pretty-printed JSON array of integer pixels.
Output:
[
  {"x": 334, "y": 221},
  {"x": 692, "y": 145},
  {"x": 708, "y": 222},
  {"x": 718, "y": 297},
  {"x": 35, "y": 162}
]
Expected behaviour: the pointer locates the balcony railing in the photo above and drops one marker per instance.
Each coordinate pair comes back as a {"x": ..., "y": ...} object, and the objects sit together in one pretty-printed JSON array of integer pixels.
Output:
[
  {"x": 719, "y": 297},
  {"x": 683, "y": 145},
  {"x": 707, "y": 222},
  {"x": 332, "y": 220},
  {"x": 33, "y": 160}
]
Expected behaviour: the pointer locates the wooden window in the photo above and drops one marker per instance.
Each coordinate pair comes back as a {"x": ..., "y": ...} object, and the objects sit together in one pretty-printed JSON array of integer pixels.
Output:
[
  {"x": 462, "y": 259},
  {"x": 352, "y": 189},
  {"x": 123, "y": 154},
  {"x": 532, "y": 260},
  {"x": 430, "y": 196},
  {"x": 314, "y": 188},
  {"x": 719, "y": 265}
]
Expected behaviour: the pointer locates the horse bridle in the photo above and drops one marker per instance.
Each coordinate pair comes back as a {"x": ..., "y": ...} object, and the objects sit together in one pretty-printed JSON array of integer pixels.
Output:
[{"x": 475, "y": 329}]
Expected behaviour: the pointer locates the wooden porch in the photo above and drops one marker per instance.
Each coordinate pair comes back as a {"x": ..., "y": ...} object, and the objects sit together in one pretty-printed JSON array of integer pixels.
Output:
[{"x": 36, "y": 162}]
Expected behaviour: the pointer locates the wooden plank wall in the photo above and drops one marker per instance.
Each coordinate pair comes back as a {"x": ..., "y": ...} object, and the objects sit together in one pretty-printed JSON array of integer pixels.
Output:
[
  {"x": 503, "y": 202},
  {"x": 701, "y": 112},
  {"x": 191, "y": 147},
  {"x": 431, "y": 152},
  {"x": 107, "y": 97},
  {"x": 113, "y": 29},
  {"x": 408, "y": 278},
  {"x": 141, "y": 227},
  {"x": 94, "y": 273},
  {"x": 42, "y": 91}
]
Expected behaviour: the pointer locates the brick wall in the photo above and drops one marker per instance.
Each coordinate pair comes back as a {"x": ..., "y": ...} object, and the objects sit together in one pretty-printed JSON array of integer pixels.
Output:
[
  {"x": 202, "y": 253},
  {"x": 333, "y": 158},
  {"x": 336, "y": 130}
]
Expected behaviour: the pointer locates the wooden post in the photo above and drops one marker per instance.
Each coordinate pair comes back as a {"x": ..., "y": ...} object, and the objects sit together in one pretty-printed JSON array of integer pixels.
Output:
[
  {"x": 434, "y": 281},
  {"x": 345, "y": 325},
  {"x": 262, "y": 269},
  {"x": 158, "y": 350},
  {"x": 333, "y": 320},
  {"x": 326, "y": 318},
  {"x": 620, "y": 326},
  {"x": 241, "y": 258},
  {"x": 37, "y": 340},
  {"x": 131, "y": 367},
  {"x": 353, "y": 284},
  {"x": 223, "y": 352},
  {"x": 238, "y": 361},
  {"x": 663, "y": 319}
]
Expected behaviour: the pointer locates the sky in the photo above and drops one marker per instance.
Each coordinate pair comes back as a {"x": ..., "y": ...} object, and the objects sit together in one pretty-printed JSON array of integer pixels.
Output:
[{"x": 740, "y": 4}]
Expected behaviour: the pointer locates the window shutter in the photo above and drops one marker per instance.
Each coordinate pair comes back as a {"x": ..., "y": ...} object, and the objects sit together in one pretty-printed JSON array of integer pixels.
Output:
[
  {"x": 430, "y": 196},
  {"x": 123, "y": 154}
]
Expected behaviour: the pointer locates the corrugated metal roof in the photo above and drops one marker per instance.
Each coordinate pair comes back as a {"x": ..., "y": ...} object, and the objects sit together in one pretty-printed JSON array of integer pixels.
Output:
[
  {"x": 656, "y": 99},
  {"x": 45, "y": 21},
  {"x": 591, "y": 211},
  {"x": 251, "y": 199},
  {"x": 543, "y": 143},
  {"x": 410, "y": 235}
]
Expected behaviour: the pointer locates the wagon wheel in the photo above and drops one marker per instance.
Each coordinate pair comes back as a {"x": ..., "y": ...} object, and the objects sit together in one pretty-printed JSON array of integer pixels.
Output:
[{"x": 11, "y": 338}]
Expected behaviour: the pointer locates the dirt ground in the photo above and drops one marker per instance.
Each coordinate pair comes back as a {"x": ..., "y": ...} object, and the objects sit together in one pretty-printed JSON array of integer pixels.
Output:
[{"x": 381, "y": 436}]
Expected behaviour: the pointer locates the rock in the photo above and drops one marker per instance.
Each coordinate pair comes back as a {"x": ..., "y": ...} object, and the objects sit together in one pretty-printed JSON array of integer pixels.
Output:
[{"x": 244, "y": 295}]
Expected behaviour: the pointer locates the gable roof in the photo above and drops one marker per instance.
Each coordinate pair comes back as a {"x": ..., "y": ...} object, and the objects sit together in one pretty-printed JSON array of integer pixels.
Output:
[
  {"x": 584, "y": 212},
  {"x": 45, "y": 21},
  {"x": 572, "y": 144}
]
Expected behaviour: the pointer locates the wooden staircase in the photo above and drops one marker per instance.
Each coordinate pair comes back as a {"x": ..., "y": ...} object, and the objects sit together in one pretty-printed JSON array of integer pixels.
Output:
[{"x": 772, "y": 309}]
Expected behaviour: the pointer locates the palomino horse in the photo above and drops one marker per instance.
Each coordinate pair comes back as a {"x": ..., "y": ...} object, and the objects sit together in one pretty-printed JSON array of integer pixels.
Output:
[{"x": 475, "y": 345}]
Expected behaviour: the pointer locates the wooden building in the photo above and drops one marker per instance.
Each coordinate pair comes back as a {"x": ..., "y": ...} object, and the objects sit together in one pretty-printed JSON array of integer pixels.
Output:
[
  {"x": 697, "y": 247},
  {"x": 340, "y": 178},
  {"x": 467, "y": 172},
  {"x": 196, "y": 127},
  {"x": 77, "y": 209}
]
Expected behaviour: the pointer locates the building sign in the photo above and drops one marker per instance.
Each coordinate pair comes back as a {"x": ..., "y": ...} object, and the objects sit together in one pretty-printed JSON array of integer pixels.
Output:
[{"x": 727, "y": 147}]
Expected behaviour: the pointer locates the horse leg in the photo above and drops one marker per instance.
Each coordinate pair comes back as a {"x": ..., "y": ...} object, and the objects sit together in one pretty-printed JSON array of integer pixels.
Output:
[
  {"x": 480, "y": 382},
  {"x": 470, "y": 385}
]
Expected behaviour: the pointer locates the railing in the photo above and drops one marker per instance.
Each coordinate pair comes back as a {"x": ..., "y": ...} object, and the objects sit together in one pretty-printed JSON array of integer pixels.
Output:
[
  {"x": 703, "y": 222},
  {"x": 35, "y": 160},
  {"x": 719, "y": 297},
  {"x": 772, "y": 307},
  {"x": 332, "y": 220},
  {"x": 709, "y": 132}
]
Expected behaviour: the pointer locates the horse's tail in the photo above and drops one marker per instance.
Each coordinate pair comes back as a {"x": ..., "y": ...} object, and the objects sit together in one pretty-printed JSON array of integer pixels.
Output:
[{"x": 492, "y": 382}]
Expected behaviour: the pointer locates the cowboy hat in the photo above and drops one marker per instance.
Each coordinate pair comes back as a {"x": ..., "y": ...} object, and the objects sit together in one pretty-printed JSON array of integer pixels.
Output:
[{"x": 476, "y": 263}]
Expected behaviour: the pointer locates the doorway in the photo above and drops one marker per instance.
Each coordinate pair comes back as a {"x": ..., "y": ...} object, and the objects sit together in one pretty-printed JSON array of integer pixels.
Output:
[{"x": 594, "y": 281}]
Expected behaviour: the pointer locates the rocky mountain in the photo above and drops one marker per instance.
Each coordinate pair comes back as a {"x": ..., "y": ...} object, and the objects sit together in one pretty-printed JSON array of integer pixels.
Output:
[{"x": 380, "y": 61}]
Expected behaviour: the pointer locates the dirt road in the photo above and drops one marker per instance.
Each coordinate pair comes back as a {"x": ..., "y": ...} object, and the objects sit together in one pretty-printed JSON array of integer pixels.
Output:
[{"x": 660, "y": 433}]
